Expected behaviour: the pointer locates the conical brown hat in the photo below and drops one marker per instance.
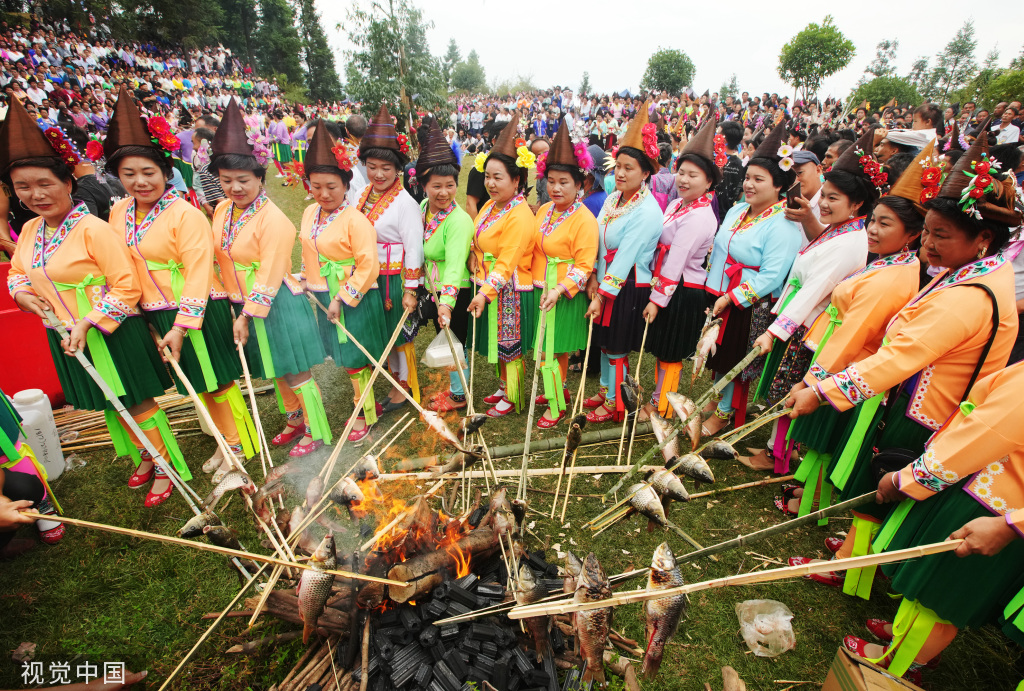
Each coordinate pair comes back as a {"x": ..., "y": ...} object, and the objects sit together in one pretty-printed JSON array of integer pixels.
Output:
[
  {"x": 505, "y": 142},
  {"x": 562, "y": 149},
  {"x": 126, "y": 127},
  {"x": 21, "y": 138},
  {"x": 910, "y": 185},
  {"x": 435, "y": 150},
  {"x": 634, "y": 137},
  {"x": 231, "y": 137}
]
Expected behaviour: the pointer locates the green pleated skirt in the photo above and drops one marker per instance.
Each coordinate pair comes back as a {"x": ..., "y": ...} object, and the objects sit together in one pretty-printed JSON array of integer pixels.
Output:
[
  {"x": 365, "y": 322},
  {"x": 219, "y": 340},
  {"x": 570, "y": 326},
  {"x": 140, "y": 367},
  {"x": 282, "y": 153},
  {"x": 968, "y": 591},
  {"x": 822, "y": 430},
  {"x": 900, "y": 433},
  {"x": 518, "y": 319},
  {"x": 392, "y": 288},
  {"x": 292, "y": 336}
]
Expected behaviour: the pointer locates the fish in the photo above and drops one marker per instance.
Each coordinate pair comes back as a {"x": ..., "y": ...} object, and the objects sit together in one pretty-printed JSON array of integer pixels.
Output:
[
  {"x": 667, "y": 485},
  {"x": 630, "y": 397},
  {"x": 315, "y": 585},
  {"x": 233, "y": 480},
  {"x": 221, "y": 536},
  {"x": 573, "y": 566},
  {"x": 719, "y": 450},
  {"x": 314, "y": 490},
  {"x": 662, "y": 430},
  {"x": 694, "y": 467},
  {"x": 471, "y": 425},
  {"x": 686, "y": 410},
  {"x": 194, "y": 526},
  {"x": 572, "y": 441},
  {"x": 462, "y": 459},
  {"x": 706, "y": 346},
  {"x": 628, "y": 380},
  {"x": 593, "y": 625},
  {"x": 366, "y": 468},
  {"x": 663, "y": 615},
  {"x": 435, "y": 423},
  {"x": 499, "y": 512},
  {"x": 279, "y": 471},
  {"x": 296, "y": 519},
  {"x": 529, "y": 591},
  {"x": 346, "y": 492},
  {"x": 645, "y": 501}
]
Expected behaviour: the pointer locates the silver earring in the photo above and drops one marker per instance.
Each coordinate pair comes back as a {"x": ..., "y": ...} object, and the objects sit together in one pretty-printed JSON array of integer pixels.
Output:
[{"x": 23, "y": 205}]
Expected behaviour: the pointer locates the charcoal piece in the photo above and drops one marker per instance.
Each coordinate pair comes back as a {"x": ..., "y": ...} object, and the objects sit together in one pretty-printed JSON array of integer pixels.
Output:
[
  {"x": 500, "y": 676},
  {"x": 483, "y": 631},
  {"x": 410, "y": 620},
  {"x": 405, "y": 673},
  {"x": 477, "y": 674},
  {"x": 459, "y": 594},
  {"x": 468, "y": 582},
  {"x": 486, "y": 663},
  {"x": 456, "y": 664},
  {"x": 423, "y": 674},
  {"x": 469, "y": 687},
  {"x": 470, "y": 645},
  {"x": 485, "y": 602},
  {"x": 314, "y": 687},
  {"x": 438, "y": 651},
  {"x": 392, "y": 632},
  {"x": 521, "y": 661},
  {"x": 443, "y": 675},
  {"x": 429, "y": 636},
  {"x": 552, "y": 584},
  {"x": 435, "y": 608},
  {"x": 404, "y": 654},
  {"x": 514, "y": 683},
  {"x": 536, "y": 677},
  {"x": 536, "y": 561},
  {"x": 449, "y": 632},
  {"x": 384, "y": 645},
  {"x": 441, "y": 591},
  {"x": 491, "y": 590},
  {"x": 435, "y": 685},
  {"x": 456, "y": 609},
  {"x": 557, "y": 640},
  {"x": 388, "y": 618},
  {"x": 476, "y": 516},
  {"x": 489, "y": 648}
]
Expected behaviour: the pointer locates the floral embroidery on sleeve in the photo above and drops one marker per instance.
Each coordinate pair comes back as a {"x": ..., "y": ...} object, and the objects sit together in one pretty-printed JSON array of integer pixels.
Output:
[
  {"x": 852, "y": 385},
  {"x": 819, "y": 372},
  {"x": 786, "y": 324},
  {"x": 261, "y": 295},
  {"x": 192, "y": 307},
  {"x": 748, "y": 293},
  {"x": 614, "y": 281},
  {"x": 495, "y": 281},
  {"x": 115, "y": 309},
  {"x": 577, "y": 276},
  {"x": 16, "y": 282},
  {"x": 930, "y": 473}
]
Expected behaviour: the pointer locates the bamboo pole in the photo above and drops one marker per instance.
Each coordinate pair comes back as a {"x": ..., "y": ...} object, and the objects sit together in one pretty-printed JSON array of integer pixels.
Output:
[
  {"x": 205, "y": 547},
  {"x": 261, "y": 435},
  {"x": 579, "y": 402},
  {"x": 521, "y": 490},
  {"x": 564, "y": 607},
  {"x": 745, "y": 485},
  {"x": 576, "y": 407},
  {"x": 636, "y": 413},
  {"x": 532, "y": 472}
]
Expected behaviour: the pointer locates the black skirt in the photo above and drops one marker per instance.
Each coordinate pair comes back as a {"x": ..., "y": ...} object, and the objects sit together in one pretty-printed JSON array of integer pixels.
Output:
[
  {"x": 674, "y": 333},
  {"x": 625, "y": 330},
  {"x": 460, "y": 316},
  {"x": 734, "y": 337}
]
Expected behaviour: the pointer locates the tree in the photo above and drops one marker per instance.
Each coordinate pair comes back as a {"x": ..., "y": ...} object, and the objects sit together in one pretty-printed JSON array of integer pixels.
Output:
[
  {"x": 668, "y": 70},
  {"x": 452, "y": 58},
  {"x": 885, "y": 55},
  {"x": 192, "y": 23},
  {"x": 514, "y": 85},
  {"x": 977, "y": 87},
  {"x": 1008, "y": 86},
  {"x": 730, "y": 88},
  {"x": 585, "y": 84},
  {"x": 322, "y": 82},
  {"x": 239, "y": 39},
  {"x": 922, "y": 77},
  {"x": 469, "y": 75},
  {"x": 278, "y": 40},
  {"x": 881, "y": 90},
  {"x": 955, "y": 65},
  {"x": 1018, "y": 62},
  {"x": 816, "y": 52},
  {"x": 391, "y": 62}
]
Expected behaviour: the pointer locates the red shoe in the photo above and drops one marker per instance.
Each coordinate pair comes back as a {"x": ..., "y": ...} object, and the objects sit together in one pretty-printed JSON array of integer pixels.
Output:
[
  {"x": 496, "y": 397},
  {"x": 856, "y": 645},
  {"x": 444, "y": 403},
  {"x": 137, "y": 480},
  {"x": 306, "y": 449},
  {"x": 594, "y": 402},
  {"x": 53, "y": 535},
  {"x": 877, "y": 629},
  {"x": 832, "y": 544},
  {"x": 286, "y": 436},
  {"x": 153, "y": 499},
  {"x": 496, "y": 411},
  {"x": 543, "y": 400},
  {"x": 543, "y": 423},
  {"x": 833, "y": 579},
  {"x": 782, "y": 504},
  {"x": 914, "y": 676},
  {"x": 614, "y": 415},
  {"x": 799, "y": 561},
  {"x": 357, "y": 435}
]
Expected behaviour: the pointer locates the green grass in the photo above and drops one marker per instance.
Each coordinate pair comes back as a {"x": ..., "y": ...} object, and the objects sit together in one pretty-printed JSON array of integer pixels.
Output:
[{"x": 123, "y": 599}]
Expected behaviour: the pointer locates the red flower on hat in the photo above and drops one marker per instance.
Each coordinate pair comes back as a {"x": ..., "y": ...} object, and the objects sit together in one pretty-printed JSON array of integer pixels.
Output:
[
  {"x": 879, "y": 179},
  {"x": 649, "y": 128},
  {"x": 976, "y": 193},
  {"x": 170, "y": 142},
  {"x": 982, "y": 181},
  {"x": 982, "y": 168},
  {"x": 931, "y": 175},
  {"x": 403, "y": 143},
  {"x": 520, "y": 142},
  {"x": 651, "y": 150},
  {"x": 341, "y": 155},
  {"x": 929, "y": 193},
  {"x": 94, "y": 150},
  {"x": 864, "y": 160},
  {"x": 871, "y": 168},
  {"x": 721, "y": 159},
  {"x": 158, "y": 127}
]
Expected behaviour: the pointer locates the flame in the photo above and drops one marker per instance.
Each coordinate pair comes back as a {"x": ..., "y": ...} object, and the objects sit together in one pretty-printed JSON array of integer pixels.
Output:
[{"x": 461, "y": 560}]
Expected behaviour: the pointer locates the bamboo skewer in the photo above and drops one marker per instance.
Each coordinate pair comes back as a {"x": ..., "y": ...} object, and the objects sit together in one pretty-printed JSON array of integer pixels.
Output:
[
  {"x": 579, "y": 409},
  {"x": 205, "y": 547},
  {"x": 745, "y": 485},
  {"x": 532, "y": 472},
  {"x": 521, "y": 490},
  {"x": 625, "y": 420},
  {"x": 768, "y": 576},
  {"x": 261, "y": 435}
]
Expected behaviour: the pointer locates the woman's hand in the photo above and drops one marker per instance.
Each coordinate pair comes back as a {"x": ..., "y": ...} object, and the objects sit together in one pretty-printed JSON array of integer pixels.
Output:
[
  {"x": 550, "y": 299},
  {"x": 802, "y": 402},
  {"x": 444, "y": 316},
  {"x": 594, "y": 310},
  {"x": 650, "y": 312},
  {"x": 241, "y": 330},
  {"x": 887, "y": 491},
  {"x": 720, "y": 304},
  {"x": 473, "y": 263},
  {"x": 986, "y": 535},
  {"x": 76, "y": 341},
  {"x": 799, "y": 214},
  {"x": 10, "y": 513},
  {"x": 765, "y": 342},
  {"x": 477, "y": 306},
  {"x": 592, "y": 286},
  {"x": 33, "y": 303},
  {"x": 409, "y": 301},
  {"x": 334, "y": 311},
  {"x": 173, "y": 340}
]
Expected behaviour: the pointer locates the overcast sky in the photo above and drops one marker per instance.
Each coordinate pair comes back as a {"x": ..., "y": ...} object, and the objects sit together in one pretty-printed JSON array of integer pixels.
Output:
[{"x": 554, "y": 42}]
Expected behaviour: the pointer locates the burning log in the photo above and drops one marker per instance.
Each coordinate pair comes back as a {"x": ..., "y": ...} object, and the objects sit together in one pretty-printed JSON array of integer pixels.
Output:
[
  {"x": 284, "y": 605},
  {"x": 426, "y": 571}
]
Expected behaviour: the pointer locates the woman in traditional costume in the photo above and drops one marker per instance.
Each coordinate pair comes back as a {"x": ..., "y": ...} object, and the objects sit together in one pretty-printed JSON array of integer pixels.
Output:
[
  {"x": 847, "y": 196},
  {"x": 629, "y": 227},
  {"x": 340, "y": 269},
  {"x": 960, "y": 328},
  {"x": 752, "y": 256},
  {"x": 396, "y": 218},
  {"x": 253, "y": 242},
  {"x": 678, "y": 303},
  {"x": 852, "y": 326},
  {"x": 171, "y": 245},
  {"x": 564, "y": 252},
  {"x": 447, "y": 234},
  {"x": 502, "y": 252},
  {"x": 73, "y": 264}
]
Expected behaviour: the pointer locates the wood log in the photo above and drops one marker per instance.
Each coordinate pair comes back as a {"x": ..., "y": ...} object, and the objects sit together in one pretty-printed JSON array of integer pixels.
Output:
[
  {"x": 252, "y": 646},
  {"x": 622, "y": 667},
  {"x": 426, "y": 570}
]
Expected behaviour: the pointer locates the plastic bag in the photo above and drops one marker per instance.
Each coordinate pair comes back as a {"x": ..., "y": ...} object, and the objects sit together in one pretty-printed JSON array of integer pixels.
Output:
[
  {"x": 439, "y": 353},
  {"x": 765, "y": 627}
]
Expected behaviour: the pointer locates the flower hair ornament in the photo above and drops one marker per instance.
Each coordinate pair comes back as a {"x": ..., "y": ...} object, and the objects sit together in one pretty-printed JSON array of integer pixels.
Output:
[
  {"x": 343, "y": 156},
  {"x": 931, "y": 181},
  {"x": 260, "y": 146},
  {"x": 583, "y": 156},
  {"x": 160, "y": 135},
  {"x": 982, "y": 182},
  {"x": 649, "y": 135},
  {"x": 94, "y": 148},
  {"x": 524, "y": 157},
  {"x": 872, "y": 169},
  {"x": 720, "y": 158},
  {"x": 403, "y": 143},
  {"x": 542, "y": 164},
  {"x": 785, "y": 153},
  {"x": 478, "y": 163},
  {"x": 63, "y": 146},
  {"x": 203, "y": 153}
]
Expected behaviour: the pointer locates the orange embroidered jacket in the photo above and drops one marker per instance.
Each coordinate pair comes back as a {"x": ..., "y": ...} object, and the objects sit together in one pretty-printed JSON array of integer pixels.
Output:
[
  {"x": 340, "y": 236},
  {"x": 173, "y": 243},
  {"x": 253, "y": 253},
  {"x": 864, "y": 303},
  {"x": 503, "y": 247},
  {"x": 982, "y": 440},
  {"x": 84, "y": 257},
  {"x": 939, "y": 337},
  {"x": 572, "y": 238}
]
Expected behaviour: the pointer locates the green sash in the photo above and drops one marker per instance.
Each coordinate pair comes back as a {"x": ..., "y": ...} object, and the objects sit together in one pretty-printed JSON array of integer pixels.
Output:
[
  {"x": 125, "y": 446},
  {"x": 330, "y": 269},
  {"x": 554, "y": 387},
  {"x": 834, "y": 322},
  {"x": 313, "y": 407},
  {"x": 94, "y": 340},
  {"x": 1014, "y": 610},
  {"x": 194, "y": 335},
  {"x": 258, "y": 325},
  {"x": 492, "y": 318}
]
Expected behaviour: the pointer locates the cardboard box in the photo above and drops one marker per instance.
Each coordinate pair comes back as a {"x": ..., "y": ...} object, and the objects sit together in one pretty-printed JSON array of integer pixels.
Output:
[{"x": 850, "y": 672}]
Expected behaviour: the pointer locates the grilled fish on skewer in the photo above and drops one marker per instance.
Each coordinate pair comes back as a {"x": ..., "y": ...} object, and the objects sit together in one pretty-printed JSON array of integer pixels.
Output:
[
  {"x": 662, "y": 429},
  {"x": 694, "y": 467},
  {"x": 720, "y": 451},
  {"x": 435, "y": 423},
  {"x": 461, "y": 460},
  {"x": 685, "y": 409},
  {"x": 221, "y": 536},
  {"x": 366, "y": 468},
  {"x": 593, "y": 626},
  {"x": 194, "y": 526},
  {"x": 662, "y": 616},
  {"x": 706, "y": 346},
  {"x": 645, "y": 501},
  {"x": 527, "y": 592},
  {"x": 315, "y": 586},
  {"x": 470, "y": 425},
  {"x": 233, "y": 480}
]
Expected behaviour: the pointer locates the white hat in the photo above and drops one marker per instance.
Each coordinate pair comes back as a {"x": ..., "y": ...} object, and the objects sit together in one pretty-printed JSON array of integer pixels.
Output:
[{"x": 914, "y": 138}]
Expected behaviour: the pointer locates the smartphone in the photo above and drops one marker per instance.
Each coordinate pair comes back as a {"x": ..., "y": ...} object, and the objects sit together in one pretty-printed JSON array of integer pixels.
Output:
[{"x": 791, "y": 196}]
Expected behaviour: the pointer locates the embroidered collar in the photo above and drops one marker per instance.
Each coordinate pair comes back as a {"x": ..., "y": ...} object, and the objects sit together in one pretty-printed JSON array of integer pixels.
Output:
[
  {"x": 835, "y": 231},
  {"x": 320, "y": 223},
  {"x": 968, "y": 272},
  {"x": 488, "y": 218},
  {"x": 611, "y": 209},
  {"x": 383, "y": 202},
  {"x": 133, "y": 235},
  {"x": 547, "y": 226},
  {"x": 742, "y": 226},
  {"x": 231, "y": 230},
  {"x": 679, "y": 209},
  {"x": 431, "y": 226},
  {"x": 43, "y": 250}
]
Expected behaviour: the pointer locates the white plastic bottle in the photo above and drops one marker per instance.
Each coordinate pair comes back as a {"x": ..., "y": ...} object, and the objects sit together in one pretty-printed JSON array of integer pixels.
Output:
[{"x": 40, "y": 430}]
